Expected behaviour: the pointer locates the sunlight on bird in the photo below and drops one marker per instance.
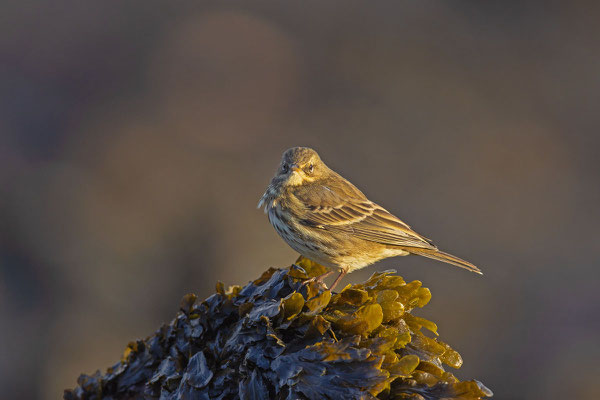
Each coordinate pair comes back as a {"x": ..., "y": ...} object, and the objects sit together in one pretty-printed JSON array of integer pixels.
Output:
[{"x": 328, "y": 220}]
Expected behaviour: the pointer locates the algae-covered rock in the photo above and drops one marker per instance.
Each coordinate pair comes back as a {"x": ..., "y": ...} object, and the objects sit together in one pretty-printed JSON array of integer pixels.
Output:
[{"x": 277, "y": 338}]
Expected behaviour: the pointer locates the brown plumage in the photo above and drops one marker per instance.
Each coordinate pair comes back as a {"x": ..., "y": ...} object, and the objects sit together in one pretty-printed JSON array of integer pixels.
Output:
[{"x": 328, "y": 220}]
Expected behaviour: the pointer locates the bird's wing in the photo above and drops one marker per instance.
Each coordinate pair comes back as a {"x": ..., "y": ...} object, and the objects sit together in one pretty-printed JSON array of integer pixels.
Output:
[{"x": 345, "y": 209}]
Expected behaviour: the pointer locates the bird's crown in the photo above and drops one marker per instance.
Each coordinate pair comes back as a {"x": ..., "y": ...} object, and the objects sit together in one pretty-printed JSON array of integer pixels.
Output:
[{"x": 300, "y": 155}]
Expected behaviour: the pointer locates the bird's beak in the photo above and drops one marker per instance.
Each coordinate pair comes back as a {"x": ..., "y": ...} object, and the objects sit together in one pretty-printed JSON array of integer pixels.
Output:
[{"x": 295, "y": 168}]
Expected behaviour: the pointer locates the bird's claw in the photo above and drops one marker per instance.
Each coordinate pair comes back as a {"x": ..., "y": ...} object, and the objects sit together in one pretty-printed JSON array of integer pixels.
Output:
[{"x": 318, "y": 279}]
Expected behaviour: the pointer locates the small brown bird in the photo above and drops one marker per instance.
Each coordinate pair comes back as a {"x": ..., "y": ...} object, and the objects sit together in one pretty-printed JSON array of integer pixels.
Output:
[{"x": 328, "y": 220}]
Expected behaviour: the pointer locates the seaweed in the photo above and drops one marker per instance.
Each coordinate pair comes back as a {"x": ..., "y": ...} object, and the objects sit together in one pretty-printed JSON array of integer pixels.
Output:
[{"x": 282, "y": 337}]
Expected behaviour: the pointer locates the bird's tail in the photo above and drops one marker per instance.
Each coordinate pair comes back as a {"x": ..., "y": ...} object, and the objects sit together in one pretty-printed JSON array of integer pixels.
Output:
[{"x": 445, "y": 257}]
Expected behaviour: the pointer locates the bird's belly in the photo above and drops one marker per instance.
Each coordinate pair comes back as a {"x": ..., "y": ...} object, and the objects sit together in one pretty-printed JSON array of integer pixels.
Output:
[
  {"x": 364, "y": 257},
  {"x": 309, "y": 243},
  {"x": 328, "y": 249}
]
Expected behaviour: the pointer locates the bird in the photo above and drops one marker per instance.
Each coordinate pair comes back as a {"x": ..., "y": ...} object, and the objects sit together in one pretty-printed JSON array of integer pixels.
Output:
[{"x": 328, "y": 220}]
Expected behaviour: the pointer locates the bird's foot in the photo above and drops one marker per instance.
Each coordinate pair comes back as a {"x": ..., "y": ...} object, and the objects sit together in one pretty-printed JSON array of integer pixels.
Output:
[{"x": 318, "y": 279}]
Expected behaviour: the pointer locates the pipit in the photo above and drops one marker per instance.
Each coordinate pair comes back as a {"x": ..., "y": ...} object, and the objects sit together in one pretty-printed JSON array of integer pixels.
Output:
[{"x": 328, "y": 220}]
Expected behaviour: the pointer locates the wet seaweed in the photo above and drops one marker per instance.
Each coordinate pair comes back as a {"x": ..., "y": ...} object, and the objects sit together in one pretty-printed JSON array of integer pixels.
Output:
[{"x": 279, "y": 337}]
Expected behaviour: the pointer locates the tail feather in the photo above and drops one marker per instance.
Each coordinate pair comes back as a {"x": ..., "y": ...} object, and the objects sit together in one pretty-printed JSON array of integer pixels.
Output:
[{"x": 445, "y": 257}]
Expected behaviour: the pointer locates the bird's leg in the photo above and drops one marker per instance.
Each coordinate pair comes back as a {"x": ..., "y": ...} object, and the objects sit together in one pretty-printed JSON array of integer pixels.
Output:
[
  {"x": 318, "y": 279},
  {"x": 338, "y": 279},
  {"x": 323, "y": 276}
]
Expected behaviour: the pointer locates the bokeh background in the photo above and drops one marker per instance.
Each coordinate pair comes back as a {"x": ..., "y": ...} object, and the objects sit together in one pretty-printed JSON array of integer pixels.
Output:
[{"x": 137, "y": 137}]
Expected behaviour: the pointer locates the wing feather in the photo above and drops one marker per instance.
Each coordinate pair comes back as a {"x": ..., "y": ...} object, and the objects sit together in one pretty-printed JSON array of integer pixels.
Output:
[{"x": 346, "y": 209}]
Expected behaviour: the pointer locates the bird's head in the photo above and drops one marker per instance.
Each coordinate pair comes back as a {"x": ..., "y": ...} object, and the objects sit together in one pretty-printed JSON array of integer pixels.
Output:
[{"x": 300, "y": 165}]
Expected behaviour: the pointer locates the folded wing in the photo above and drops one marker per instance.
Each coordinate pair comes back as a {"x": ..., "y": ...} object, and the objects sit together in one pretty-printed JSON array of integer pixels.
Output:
[{"x": 346, "y": 209}]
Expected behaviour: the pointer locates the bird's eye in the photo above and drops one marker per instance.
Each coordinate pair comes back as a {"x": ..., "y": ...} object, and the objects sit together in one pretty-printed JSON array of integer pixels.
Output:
[
  {"x": 311, "y": 168},
  {"x": 284, "y": 168}
]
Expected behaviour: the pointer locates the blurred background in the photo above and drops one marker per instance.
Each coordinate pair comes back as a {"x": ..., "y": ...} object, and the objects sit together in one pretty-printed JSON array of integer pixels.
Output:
[{"x": 137, "y": 137}]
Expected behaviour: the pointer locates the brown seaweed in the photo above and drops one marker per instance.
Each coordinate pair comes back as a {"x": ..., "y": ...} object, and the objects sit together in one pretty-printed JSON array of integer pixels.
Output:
[{"x": 277, "y": 338}]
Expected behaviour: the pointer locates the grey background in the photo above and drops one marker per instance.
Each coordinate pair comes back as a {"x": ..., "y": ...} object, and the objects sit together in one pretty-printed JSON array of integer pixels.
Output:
[{"x": 137, "y": 137}]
